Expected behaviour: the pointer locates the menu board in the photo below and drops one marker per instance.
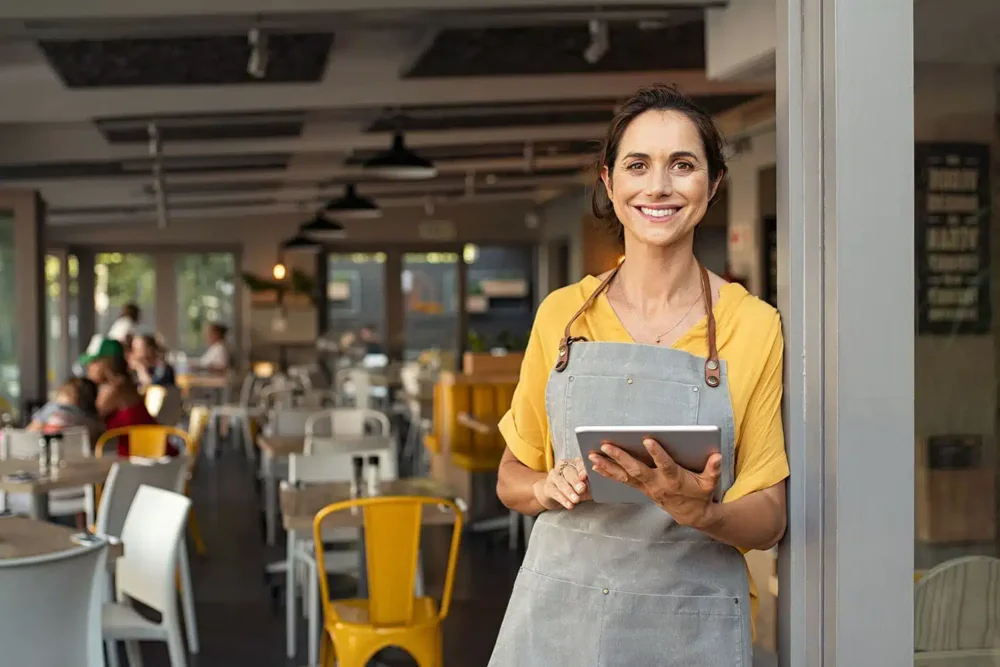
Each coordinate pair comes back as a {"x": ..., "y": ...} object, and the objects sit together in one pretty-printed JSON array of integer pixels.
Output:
[{"x": 952, "y": 238}]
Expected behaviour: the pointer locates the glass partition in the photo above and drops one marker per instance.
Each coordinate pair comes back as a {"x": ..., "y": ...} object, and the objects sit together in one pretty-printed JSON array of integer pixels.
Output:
[
  {"x": 120, "y": 278},
  {"x": 957, "y": 347},
  {"x": 356, "y": 293},
  {"x": 430, "y": 311},
  {"x": 205, "y": 293},
  {"x": 499, "y": 297}
]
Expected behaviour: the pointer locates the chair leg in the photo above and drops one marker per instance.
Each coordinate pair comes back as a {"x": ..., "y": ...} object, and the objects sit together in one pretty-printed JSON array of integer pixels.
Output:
[
  {"x": 199, "y": 544},
  {"x": 111, "y": 650},
  {"x": 187, "y": 599},
  {"x": 175, "y": 646},
  {"x": 133, "y": 654},
  {"x": 327, "y": 654},
  {"x": 315, "y": 620},
  {"x": 426, "y": 650}
]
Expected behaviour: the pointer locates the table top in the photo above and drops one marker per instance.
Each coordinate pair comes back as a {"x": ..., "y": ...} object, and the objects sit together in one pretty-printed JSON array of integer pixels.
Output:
[
  {"x": 282, "y": 446},
  {"x": 67, "y": 474},
  {"x": 21, "y": 537},
  {"x": 207, "y": 380},
  {"x": 299, "y": 505}
]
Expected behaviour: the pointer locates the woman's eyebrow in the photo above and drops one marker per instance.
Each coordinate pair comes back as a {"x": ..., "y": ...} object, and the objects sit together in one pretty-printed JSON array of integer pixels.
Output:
[{"x": 673, "y": 156}]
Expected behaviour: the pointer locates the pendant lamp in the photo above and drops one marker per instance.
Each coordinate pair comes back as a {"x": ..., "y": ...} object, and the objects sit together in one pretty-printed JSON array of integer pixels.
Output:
[
  {"x": 400, "y": 163},
  {"x": 322, "y": 229},
  {"x": 301, "y": 243},
  {"x": 353, "y": 205}
]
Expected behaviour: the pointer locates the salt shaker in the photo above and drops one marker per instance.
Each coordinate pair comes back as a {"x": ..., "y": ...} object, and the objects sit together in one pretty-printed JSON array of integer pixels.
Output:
[
  {"x": 372, "y": 477},
  {"x": 44, "y": 454}
]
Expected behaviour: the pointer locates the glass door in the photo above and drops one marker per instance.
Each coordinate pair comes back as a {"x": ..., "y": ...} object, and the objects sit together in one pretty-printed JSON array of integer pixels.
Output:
[{"x": 356, "y": 296}]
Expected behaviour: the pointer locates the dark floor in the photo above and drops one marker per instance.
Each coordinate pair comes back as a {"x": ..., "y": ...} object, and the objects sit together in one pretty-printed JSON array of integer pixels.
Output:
[{"x": 239, "y": 626}]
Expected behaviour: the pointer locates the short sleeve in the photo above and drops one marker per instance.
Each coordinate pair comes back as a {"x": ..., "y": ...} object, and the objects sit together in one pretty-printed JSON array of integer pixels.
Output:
[
  {"x": 761, "y": 461},
  {"x": 525, "y": 427}
]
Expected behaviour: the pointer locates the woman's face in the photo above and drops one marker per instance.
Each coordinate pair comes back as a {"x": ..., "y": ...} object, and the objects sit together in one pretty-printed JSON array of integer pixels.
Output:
[
  {"x": 659, "y": 184},
  {"x": 96, "y": 371},
  {"x": 142, "y": 353}
]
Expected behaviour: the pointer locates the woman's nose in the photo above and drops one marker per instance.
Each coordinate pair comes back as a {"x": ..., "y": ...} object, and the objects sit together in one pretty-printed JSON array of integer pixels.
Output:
[{"x": 659, "y": 183}]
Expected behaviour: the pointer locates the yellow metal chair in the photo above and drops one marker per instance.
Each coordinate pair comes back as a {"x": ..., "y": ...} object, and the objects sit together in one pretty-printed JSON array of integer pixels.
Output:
[
  {"x": 146, "y": 441},
  {"x": 196, "y": 431},
  {"x": 355, "y": 630},
  {"x": 480, "y": 450}
]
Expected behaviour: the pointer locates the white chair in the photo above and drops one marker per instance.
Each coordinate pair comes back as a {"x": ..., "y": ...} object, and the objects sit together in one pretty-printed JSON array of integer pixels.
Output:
[
  {"x": 243, "y": 412},
  {"x": 351, "y": 422},
  {"x": 50, "y": 608},
  {"x": 123, "y": 483},
  {"x": 328, "y": 467},
  {"x": 147, "y": 573},
  {"x": 957, "y": 614}
]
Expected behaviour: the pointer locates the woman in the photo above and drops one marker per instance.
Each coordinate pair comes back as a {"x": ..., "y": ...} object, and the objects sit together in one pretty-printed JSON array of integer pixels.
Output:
[
  {"x": 216, "y": 358},
  {"x": 148, "y": 364},
  {"x": 657, "y": 340}
]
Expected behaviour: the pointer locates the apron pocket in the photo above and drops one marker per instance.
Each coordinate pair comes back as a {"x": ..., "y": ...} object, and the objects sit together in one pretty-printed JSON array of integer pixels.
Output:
[
  {"x": 672, "y": 631},
  {"x": 549, "y": 622}
]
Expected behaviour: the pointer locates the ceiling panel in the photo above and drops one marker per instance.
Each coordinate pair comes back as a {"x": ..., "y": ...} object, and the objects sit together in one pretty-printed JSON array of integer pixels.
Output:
[
  {"x": 137, "y": 209},
  {"x": 185, "y": 61},
  {"x": 172, "y": 165},
  {"x": 559, "y": 49},
  {"x": 208, "y": 127}
]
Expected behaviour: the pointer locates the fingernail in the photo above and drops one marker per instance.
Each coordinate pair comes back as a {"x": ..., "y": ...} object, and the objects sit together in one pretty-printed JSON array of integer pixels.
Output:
[
  {"x": 575, "y": 498},
  {"x": 606, "y": 449},
  {"x": 647, "y": 442},
  {"x": 579, "y": 487}
]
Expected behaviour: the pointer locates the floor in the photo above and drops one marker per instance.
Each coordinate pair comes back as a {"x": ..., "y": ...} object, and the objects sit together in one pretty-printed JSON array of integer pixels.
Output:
[{"x": 239, "y": 624}]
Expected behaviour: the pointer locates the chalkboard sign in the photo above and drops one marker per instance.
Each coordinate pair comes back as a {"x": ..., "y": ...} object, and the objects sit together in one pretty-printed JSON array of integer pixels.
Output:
[
  {"x": 952, "y": 238},
  {"x": 769, "y": 289},
  {"x": 954, "y": 452}
]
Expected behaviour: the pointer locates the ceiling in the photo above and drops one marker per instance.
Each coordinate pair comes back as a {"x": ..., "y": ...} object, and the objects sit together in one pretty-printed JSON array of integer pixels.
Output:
[{"x": 501, "y": 98}]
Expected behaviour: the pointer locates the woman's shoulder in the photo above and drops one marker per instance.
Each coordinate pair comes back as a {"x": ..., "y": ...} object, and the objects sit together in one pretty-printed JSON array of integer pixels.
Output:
[
  {"x": 560, "y": 305},
  {"x": 747, "y": 317}
]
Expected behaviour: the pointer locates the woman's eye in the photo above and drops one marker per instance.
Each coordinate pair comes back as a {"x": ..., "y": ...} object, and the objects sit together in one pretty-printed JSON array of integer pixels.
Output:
[
  {"x": 684, "y": 166},
  {"x": 635, "y": 166}
]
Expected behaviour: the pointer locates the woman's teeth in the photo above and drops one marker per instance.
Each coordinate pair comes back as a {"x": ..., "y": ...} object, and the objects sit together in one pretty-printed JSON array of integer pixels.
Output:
[{"x": 658, "y": 212}]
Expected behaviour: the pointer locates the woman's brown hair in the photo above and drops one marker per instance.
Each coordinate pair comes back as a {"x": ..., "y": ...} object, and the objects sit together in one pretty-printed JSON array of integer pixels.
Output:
[{"x": 655, "y": 98}]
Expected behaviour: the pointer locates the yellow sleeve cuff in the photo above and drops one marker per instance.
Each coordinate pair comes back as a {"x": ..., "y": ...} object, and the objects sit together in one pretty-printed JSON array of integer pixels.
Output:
[
  {"x": 527, "y": 453},
  {"x": 758, "y": 481}
]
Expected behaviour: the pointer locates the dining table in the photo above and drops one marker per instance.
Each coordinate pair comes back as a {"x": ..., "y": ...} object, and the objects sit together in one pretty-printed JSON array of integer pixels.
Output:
[
  {"x": 23, "y": 476},
  {"x": 22, "y": 537}
]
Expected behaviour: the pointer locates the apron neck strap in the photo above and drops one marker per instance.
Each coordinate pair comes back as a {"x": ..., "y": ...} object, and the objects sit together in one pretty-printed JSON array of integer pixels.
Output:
[{"x": 712, "y": 366}]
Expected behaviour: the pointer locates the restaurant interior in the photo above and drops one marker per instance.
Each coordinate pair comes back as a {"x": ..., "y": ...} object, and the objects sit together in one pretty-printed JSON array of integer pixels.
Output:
[{"x": 363, "y": 206}]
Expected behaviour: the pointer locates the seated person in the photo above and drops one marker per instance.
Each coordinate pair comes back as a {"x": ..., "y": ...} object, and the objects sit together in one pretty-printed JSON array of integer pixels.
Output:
[
  {"x": 75, "y": 404},
  {"x": 119, "y": 402},
  {"x": 148, "y": 363},
  {"x": 216, "y": 359}
]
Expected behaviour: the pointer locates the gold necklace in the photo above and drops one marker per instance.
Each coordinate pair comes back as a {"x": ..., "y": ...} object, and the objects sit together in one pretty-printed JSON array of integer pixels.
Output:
[{"x": 642, "y": 321}]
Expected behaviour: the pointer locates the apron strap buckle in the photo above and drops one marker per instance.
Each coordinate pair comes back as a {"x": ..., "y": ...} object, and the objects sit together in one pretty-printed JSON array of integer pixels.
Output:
[{"x": 562, "y": 360}]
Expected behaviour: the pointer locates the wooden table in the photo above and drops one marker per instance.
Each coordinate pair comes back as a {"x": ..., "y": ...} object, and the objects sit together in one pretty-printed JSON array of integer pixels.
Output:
[
  {"x": 25, "y": 538},
  {"x": 276, "y": 447},
  {"x": 65, "y": 475}
]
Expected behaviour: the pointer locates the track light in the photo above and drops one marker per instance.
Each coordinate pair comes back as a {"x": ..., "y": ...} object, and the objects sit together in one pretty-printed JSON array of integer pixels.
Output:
[
  {"x": 600, "y": 42},
  {"x": 159, "y": 180},
  {"x": 259, "y": 53}
]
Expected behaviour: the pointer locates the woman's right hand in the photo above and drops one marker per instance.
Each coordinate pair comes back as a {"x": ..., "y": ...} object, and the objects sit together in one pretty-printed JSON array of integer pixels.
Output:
[{"x": 564, "y": 486}]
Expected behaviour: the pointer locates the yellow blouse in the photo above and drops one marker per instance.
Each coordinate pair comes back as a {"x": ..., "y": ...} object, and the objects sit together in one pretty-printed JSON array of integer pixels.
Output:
[{"x": 749, "y": 341}]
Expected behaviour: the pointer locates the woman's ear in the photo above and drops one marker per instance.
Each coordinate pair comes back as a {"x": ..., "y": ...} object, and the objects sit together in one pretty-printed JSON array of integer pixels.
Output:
[
  {"x": 606, "y": 178},
  {"x": 715, "y": 187}
]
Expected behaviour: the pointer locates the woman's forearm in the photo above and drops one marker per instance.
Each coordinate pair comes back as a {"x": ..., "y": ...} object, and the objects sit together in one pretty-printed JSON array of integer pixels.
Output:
[
  {"x": 516, "y": 485},
  {"x": 755, "y": 521}
]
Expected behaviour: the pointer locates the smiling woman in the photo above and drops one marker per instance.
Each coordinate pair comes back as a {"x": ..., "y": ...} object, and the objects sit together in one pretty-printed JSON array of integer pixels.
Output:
[{"x": 657, "y": 341}]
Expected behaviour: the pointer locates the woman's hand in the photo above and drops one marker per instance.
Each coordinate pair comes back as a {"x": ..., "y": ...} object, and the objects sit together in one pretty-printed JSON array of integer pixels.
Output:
[
  {"x": 685, "y": 495},
  {"x": 564, "y": 486}
]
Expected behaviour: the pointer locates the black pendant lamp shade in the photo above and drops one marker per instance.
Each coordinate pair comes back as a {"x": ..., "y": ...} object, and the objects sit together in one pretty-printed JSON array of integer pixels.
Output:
[
  {"x": 322, "y": 229},
  {"x": 353, "y": 205},
  {"x": 400, "y": 163},
  {"x": 301, "y": 243}
]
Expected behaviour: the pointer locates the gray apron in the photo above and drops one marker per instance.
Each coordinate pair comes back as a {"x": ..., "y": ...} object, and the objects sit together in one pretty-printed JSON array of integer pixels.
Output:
[{"x": 605, "y": 585}]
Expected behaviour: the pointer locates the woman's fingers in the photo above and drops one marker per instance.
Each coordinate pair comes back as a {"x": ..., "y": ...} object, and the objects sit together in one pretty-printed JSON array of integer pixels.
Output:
[{"x": 606, "y": 467}]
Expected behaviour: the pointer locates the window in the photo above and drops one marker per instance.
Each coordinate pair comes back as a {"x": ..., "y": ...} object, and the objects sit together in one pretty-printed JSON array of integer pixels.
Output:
[
  {"x": 120, "y": 278},
  {"x": 10, "y": 374},
  {"x": 205, "y": 293}
]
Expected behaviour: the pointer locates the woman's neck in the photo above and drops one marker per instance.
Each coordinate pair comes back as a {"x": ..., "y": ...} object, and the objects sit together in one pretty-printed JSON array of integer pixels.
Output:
[{"x": 654, "y": 277}]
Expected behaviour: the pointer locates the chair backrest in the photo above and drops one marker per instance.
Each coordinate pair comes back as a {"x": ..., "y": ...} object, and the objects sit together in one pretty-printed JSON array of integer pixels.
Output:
[
  {"x": 124, "y": 481},
  {"x": 392, "y": 543},
  {"x": 19, "y": 444},
  {"x": 172, "y": 409},
  {"x": 957, "y": 606},
  {"x": 289, "y": 421},
  {"x": 149, "y": 441},
  {"x": 347, "y": 422},
  {"x": 154, "y": 397},
  {"x": 338, "y": 467},
  {"x": 153, "y": 530},
  {"x": 50, "y": 608},
  {"x": 75, "y": 444}
]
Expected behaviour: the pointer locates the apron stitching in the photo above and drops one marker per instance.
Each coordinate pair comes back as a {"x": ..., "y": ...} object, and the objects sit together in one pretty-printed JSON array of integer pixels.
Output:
[{"x": 636, "y": 539}]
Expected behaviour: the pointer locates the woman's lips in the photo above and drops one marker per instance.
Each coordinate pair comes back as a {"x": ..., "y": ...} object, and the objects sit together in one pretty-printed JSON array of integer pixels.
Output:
[{"x": 659, "y": 214}]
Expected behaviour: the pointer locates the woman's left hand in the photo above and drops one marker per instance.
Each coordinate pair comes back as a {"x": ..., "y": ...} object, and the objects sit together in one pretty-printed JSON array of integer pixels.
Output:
[{"x": 685, "y": 495}]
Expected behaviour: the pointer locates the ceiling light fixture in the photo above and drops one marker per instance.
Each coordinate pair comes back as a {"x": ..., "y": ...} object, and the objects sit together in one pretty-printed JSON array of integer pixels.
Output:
[
  {"x": 600, "y": 42},
  {"x": 301, "y": 243},
  {"x": 353, "y": 205},
  {"x": 259, "y": 53},
  {"x": 323, "y": 229},
  {"x": 400, "y": 163}
]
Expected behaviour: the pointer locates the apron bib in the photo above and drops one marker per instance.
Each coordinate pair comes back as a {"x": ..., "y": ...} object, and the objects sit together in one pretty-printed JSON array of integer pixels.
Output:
[{"x": 607, "y": 585}]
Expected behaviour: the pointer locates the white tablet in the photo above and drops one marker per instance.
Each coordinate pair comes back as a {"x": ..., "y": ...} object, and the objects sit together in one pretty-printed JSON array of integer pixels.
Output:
[{"x": 689, "y": 446}]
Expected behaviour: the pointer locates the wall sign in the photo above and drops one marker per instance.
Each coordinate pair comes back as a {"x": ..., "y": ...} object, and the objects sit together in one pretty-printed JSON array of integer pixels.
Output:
[{"x": 953, "y": 238}]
